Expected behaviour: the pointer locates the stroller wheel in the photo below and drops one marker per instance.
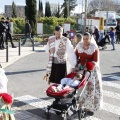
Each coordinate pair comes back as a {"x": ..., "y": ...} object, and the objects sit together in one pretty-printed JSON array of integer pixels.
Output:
[
  {"x": 64, "y": 116},
  {"x": 81, "y": 114}
]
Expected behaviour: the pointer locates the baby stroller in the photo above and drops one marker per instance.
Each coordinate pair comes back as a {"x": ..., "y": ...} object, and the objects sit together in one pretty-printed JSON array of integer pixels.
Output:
[
  {"x": 66, "y": 101},
  {"x": 102, "y": 43}
]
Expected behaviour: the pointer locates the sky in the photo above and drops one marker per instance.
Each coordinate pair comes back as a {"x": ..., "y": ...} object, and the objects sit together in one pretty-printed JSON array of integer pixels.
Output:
[{"x": 22, "y": 2}]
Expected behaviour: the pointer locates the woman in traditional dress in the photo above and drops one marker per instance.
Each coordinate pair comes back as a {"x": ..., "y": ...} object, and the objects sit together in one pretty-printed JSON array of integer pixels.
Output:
[
  {"x": 62, "y": 59},
  {"x": 87, "y": 51}
]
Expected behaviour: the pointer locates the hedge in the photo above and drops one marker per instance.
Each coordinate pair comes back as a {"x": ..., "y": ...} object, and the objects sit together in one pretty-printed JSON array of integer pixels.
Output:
[{"x": 49, "y": 24}]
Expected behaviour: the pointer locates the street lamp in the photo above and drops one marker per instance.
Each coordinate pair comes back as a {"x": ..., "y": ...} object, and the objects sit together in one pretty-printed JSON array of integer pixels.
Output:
[
  {"x": 85, "y": 18},
  {"x": 68, "y": 8}
]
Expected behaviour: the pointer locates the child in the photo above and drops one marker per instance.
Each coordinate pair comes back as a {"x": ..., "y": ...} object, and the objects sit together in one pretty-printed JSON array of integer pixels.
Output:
[
  {"x": 68, "y": 82},
  {"x": 112, "y": 36}
]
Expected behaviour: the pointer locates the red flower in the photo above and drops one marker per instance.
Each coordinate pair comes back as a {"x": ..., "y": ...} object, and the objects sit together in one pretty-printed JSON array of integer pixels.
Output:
[
  {"x": 89, "y": 66},
  {"x": 6, "y": 97}
]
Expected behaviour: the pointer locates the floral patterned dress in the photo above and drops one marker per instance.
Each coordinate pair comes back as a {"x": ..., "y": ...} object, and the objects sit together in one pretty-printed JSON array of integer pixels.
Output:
[{"x": 92, "y": 97}]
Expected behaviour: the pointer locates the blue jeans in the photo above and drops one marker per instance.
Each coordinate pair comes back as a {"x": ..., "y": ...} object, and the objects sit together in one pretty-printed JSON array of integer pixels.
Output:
[
  {"x": 112, "y": 42},
  {"x": 27, "y": 36}
]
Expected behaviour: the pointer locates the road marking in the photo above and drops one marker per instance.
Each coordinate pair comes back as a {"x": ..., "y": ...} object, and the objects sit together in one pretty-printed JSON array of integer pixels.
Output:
[
  {"x": 39, "y": 103},
  {"x": 33, "y": 101},
  {"x": 111, "y": 94},
  {"x": 111, "y": 84},
  {"x": 115, "y": 77},
  {"x": 111, "y": 108},
  {"x": 91, "y": 118}
]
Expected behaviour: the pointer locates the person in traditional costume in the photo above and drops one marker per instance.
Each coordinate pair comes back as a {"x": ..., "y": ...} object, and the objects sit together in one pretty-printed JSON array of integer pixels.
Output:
[
  {"x": 87, "y": 51},
  {"x": 62, "y": 58}
]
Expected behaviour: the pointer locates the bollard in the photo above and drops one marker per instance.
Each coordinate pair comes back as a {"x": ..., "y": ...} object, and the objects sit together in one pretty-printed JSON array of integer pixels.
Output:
[
  {"x": 43, "y": 40},
  {"x": 19, "y": 48},
  {"x": 33, "y": 45},
  {"x": 6, "y": 51}
]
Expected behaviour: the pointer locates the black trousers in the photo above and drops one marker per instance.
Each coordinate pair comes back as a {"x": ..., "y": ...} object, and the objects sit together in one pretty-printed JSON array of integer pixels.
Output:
[
  {"x": 9, "y": 36},
  {"x": 107, "y": 37},
  {"x": 118, "y": 38},
  {"x": 2, "y": 40}
]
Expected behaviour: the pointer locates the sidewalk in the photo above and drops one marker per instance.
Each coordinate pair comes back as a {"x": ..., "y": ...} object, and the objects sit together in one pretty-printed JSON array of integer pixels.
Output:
[{"x": 14, "y": 56}]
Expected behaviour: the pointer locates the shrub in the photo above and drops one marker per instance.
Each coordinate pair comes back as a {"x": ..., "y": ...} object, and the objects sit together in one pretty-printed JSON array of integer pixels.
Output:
[{"x": 49, "y": 24}]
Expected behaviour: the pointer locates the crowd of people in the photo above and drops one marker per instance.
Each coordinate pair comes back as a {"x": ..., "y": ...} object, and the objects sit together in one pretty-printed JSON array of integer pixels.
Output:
[
  {"x": 64, "y": 59},
  {"x": 6, "y": 33}
]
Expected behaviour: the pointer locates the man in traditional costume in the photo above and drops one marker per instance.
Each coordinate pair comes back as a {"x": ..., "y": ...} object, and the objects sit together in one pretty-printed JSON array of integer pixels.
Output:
[{"x": 62, "y": 59}]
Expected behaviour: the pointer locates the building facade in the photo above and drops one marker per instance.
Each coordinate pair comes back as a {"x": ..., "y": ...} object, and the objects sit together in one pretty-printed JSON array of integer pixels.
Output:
[{"x": 20, "y": 11}]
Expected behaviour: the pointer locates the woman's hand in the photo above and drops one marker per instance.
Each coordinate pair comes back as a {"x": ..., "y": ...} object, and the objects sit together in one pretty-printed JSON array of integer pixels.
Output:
[{"x": 73, "y": 70}]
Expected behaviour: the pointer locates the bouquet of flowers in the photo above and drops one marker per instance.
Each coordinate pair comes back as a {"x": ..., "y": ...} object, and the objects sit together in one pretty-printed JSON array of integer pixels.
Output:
[{"x": 6, "y": 101}]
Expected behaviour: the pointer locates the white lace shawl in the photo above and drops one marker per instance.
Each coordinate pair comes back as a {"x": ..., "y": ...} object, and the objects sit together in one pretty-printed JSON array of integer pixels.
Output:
[{"x": 89, "y": 51}]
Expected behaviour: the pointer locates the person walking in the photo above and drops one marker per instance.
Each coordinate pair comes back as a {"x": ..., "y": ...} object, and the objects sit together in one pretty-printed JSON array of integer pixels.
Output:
[
  {"x": 87, "y": 51},
  {"x": 62, "y": 59},
  {"x": 118, "y": 33},
  {"x": 112, "y": 36},
  {"x": 8, "y": 32},
  {"x": 3, "y": 28},
  {"x": 28, "y": 31},
  {"x": 96, "y": 33}
]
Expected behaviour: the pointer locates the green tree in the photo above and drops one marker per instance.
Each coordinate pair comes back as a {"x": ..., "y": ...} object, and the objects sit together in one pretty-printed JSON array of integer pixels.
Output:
[
  {"x": 58, "y": 11},
  {"x": 72, "y": 4},
  {"x": 40, "y": 10},
  {"x": 30, "y": 13},
  {"x": 65, "y": 12},
  {"x": 14, "y": 13},
  {"x": 47, "y": 10}
]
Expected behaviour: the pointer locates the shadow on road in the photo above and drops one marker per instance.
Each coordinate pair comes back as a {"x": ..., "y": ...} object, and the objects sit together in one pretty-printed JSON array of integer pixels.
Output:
[
  {"x": 23, "y": 72},
  {"x": 112, "y": 76}
]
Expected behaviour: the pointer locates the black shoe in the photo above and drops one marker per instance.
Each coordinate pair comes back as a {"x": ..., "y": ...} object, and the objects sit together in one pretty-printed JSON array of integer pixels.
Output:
[
  {"x": 13, "y": 46},
  {"x": 112, "y": 49},
  {"x": 1, "y": 48},
  {"x": 90, "y": 113}
]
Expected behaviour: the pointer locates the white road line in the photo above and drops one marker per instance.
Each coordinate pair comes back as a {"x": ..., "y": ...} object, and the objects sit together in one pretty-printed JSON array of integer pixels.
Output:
[
  {"x": 89, "y": 118},
  {"x": 111, "y": 84},
  {"x": 115, "y": 77},
  {"x": 33, "y": 101},
  {"x": 111, "y": 108},
  {"x": 39, "y": 103},
  {"x": 111, "y": 94}
]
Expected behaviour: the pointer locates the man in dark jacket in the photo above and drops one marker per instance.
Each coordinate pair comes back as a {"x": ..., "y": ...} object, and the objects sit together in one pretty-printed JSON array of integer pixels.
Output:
[
  {"x": 96, "y": 33},
  {"x": 28, "y": 31},
  {"x": 118, "y": 33},
  {"x": 3, "y": 28},
  {"x": 8, "y": 32}
]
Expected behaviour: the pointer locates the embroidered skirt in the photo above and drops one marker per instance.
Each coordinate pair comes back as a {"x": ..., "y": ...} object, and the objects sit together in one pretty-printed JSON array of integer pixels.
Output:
[{"x": 57, "y": 73}]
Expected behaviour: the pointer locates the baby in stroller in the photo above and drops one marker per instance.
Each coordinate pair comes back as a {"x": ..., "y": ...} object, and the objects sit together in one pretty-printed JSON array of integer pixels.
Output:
[
  {"x": 66, "y": 101},
  {"x": 68, "y": 82}
]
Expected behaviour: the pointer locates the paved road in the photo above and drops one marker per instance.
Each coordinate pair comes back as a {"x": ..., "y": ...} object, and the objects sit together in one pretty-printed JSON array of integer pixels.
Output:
[{"x": 25, "y": 82}]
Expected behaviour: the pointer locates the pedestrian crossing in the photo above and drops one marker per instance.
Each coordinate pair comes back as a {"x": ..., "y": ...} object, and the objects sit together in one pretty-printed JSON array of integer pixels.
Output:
[{"x": 107, "y": 107}]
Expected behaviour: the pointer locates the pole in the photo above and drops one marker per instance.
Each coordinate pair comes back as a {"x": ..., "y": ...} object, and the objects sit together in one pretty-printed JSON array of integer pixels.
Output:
[
  {"x": 82, "y": 6},
  {"x": 68, "y": 8},
  {"x": 107, "y": 21},
  {"x": 33, "y": 45},
  {"x": 6, "y": 51},
  {"x": 85, "y": 18},
  {"x": 19, "y": 48}
]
